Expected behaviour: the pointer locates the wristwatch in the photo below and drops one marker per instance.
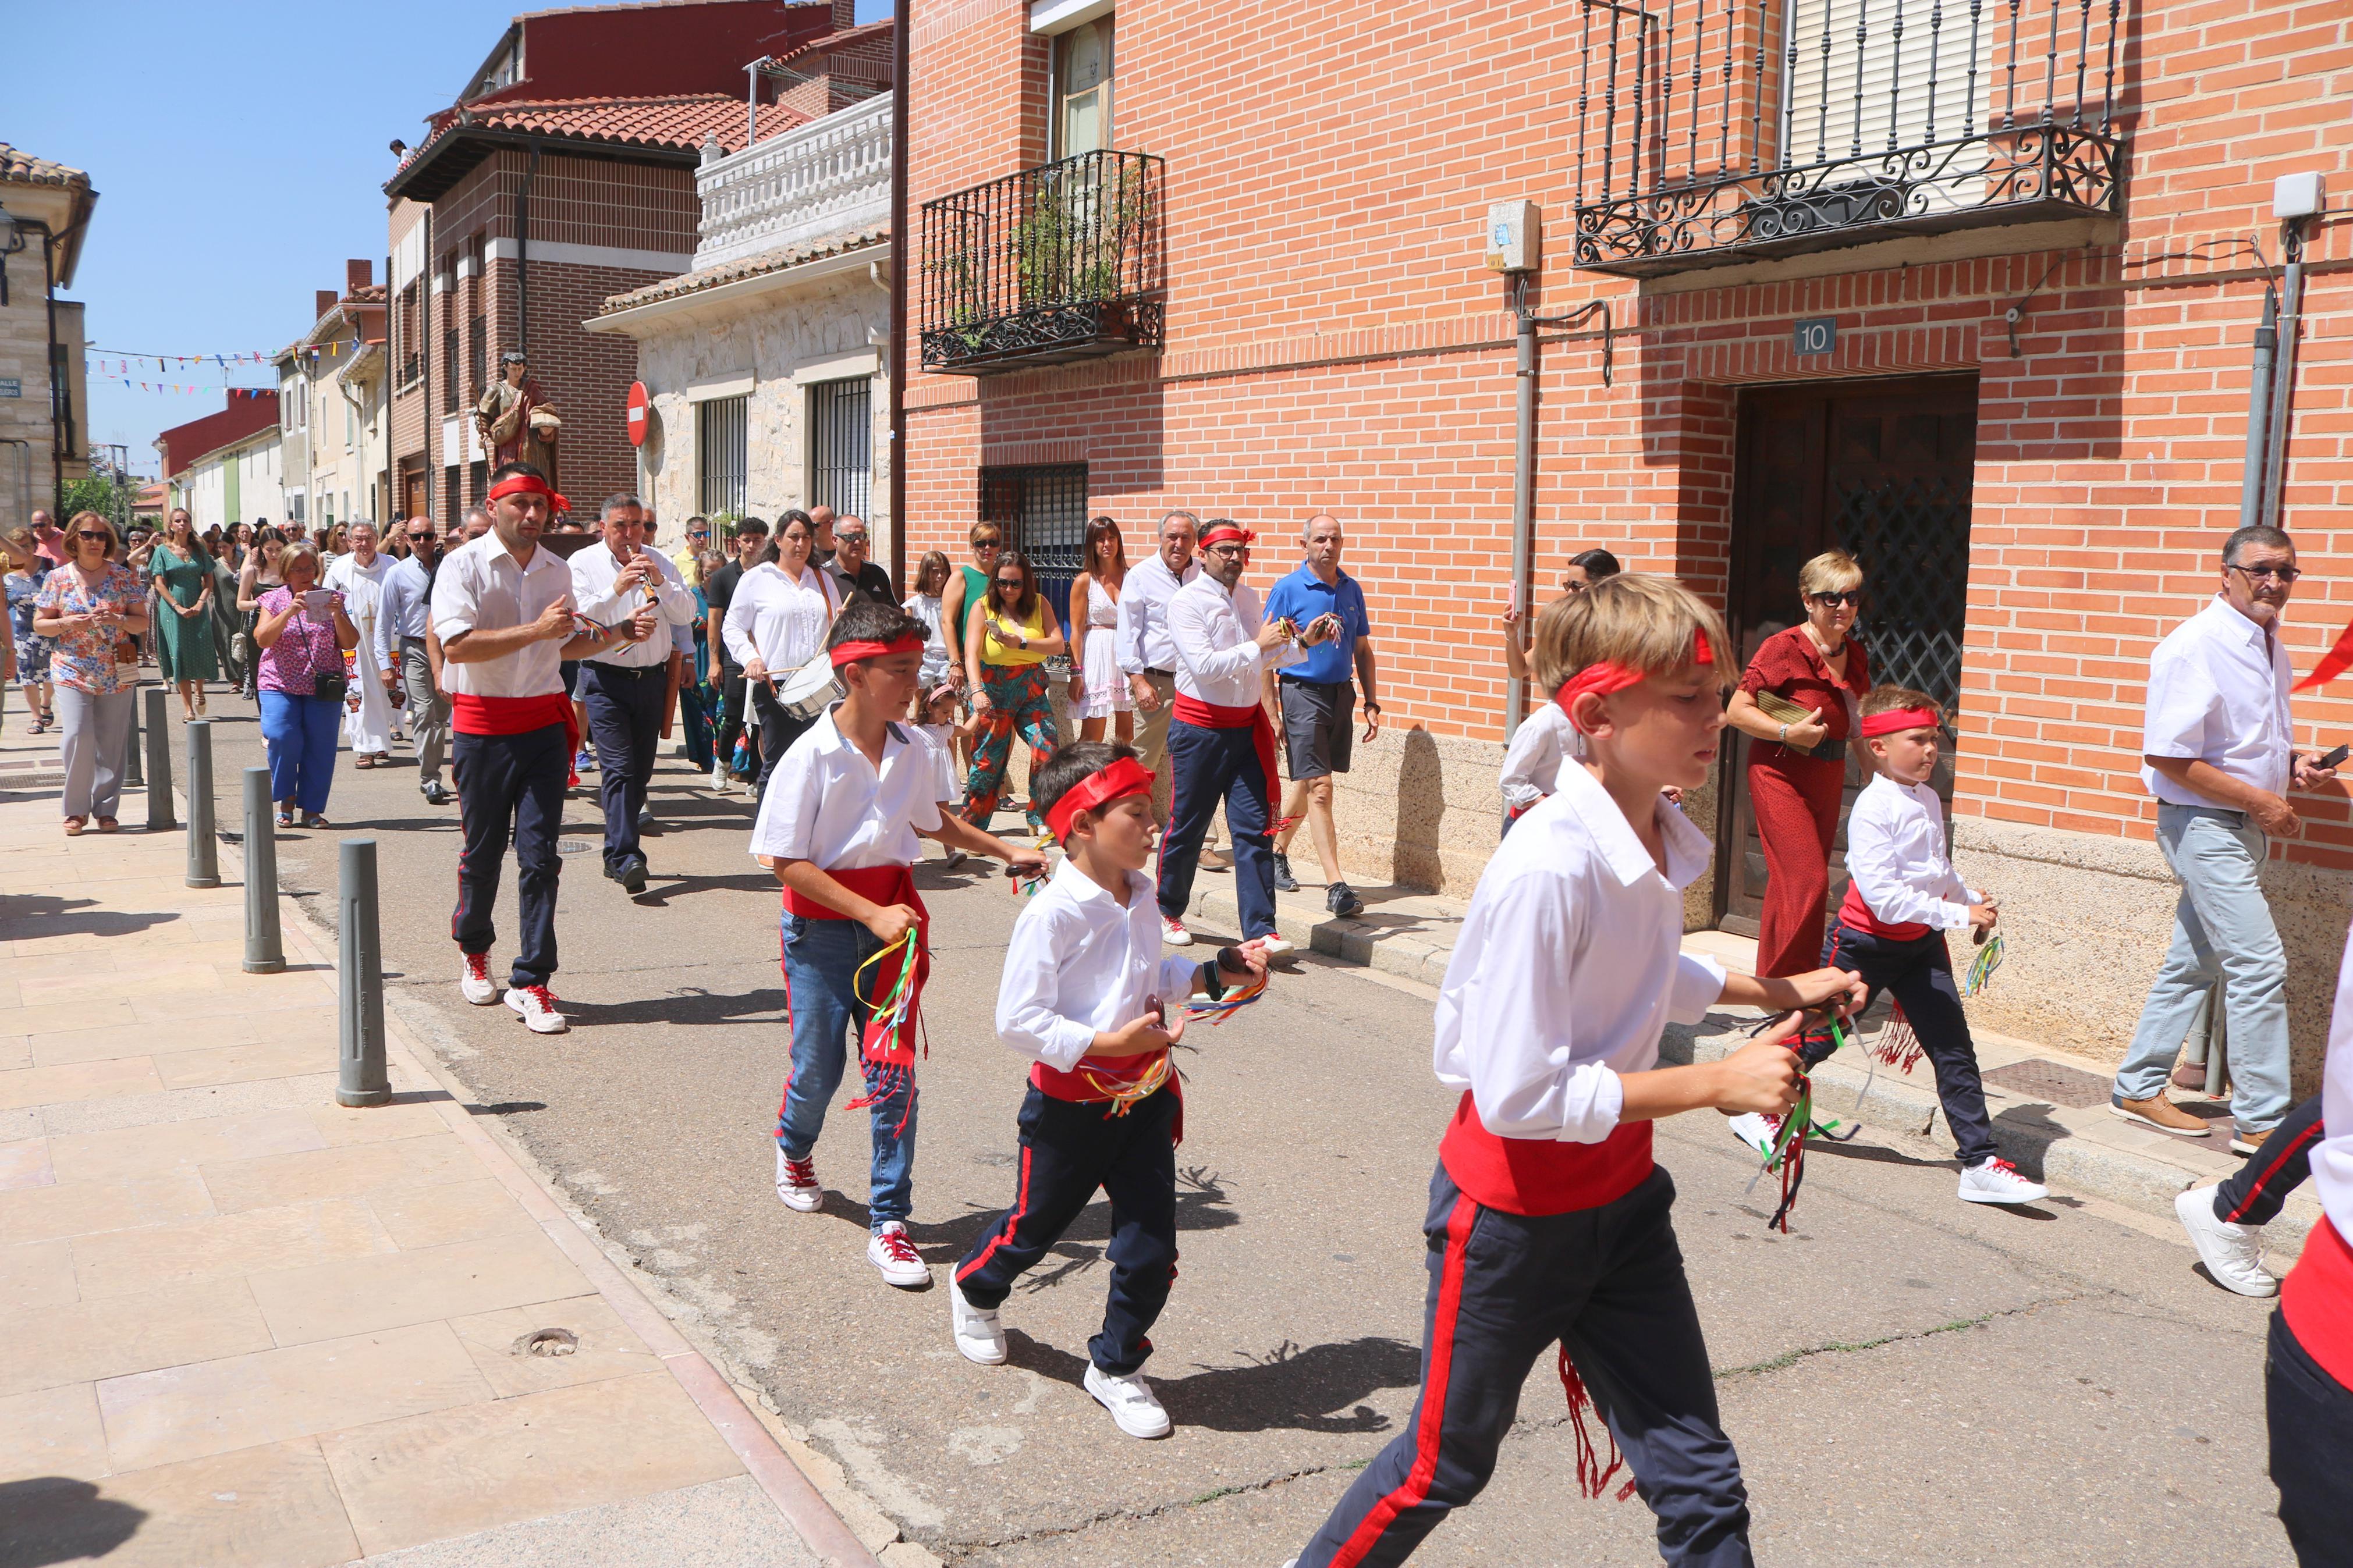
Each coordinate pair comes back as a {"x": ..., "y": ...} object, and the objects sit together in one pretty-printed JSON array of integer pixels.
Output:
[{"x": 1785, "y": 734}]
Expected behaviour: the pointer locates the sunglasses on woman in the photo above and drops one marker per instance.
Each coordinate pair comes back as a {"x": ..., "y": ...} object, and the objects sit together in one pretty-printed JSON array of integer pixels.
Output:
[
  {"x": 1852, "y": 596},
  {"x": 1012, "y": 582},
  {"x": 102, "y": 537}
]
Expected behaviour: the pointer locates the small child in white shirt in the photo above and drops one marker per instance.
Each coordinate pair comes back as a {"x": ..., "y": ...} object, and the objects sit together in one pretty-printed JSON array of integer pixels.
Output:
[{"x": 1532, "y": 762}]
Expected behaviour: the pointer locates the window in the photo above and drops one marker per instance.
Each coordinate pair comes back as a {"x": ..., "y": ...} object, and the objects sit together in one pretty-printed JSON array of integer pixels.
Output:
[
  {"x": 478, "y": 484},
  {"x": 720, "y": 454},
  {"x": 1082, "y": 92},
  {"x": 841, "y": 445},
  {"x": 350, "y": 428},
  {"x": 1043, "y": 511},
  {"x": 449, "y": 366},
  {"x": 409, "y": 333}
]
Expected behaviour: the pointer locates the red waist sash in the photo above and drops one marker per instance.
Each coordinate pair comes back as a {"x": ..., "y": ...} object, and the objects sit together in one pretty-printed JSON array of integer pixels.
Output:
[
  {"x": 2317, "y": 1299},
  {"x": 1542, "y": 1175},
  {"x": 473, "y": 715},
  {"x": 893, "y": 1050},
  {"x": 1251, "y": 717},
  {"x": 1856, "y": 915},
  {"x": 1097, "y": 1080}
]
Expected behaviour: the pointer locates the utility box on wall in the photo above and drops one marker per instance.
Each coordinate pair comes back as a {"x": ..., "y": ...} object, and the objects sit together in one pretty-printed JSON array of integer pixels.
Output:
[{"x": 1515, "y": 237}]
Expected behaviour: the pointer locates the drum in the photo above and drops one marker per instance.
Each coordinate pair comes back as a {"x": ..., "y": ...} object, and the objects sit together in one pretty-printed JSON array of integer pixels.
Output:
[{"x": 809, "y": 690}]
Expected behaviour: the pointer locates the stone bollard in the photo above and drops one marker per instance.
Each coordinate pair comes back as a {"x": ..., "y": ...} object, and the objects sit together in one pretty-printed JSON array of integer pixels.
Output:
[
  {"x": 359, "y": 982},
  {"x": 264, "y": 953},
  {"x": 204, "y": 848},
  {"x": 161, "y": 819}
]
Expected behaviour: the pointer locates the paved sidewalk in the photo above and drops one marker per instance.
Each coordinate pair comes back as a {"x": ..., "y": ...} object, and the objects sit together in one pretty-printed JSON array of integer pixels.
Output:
[
  {"x": 244, "y": 1326},
  {"x": 2050, "y": 1118}
]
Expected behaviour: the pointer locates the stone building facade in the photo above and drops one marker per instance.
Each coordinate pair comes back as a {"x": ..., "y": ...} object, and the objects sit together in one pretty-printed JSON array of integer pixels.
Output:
[
  {"x": 1988, "y": 322},
  {"x": 332, "y": 407},
  {"x": 44, "y": 411}
]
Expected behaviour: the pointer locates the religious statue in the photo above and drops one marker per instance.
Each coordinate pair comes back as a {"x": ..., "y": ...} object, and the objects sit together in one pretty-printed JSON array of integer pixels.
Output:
[{"x": 518, "y": 423}]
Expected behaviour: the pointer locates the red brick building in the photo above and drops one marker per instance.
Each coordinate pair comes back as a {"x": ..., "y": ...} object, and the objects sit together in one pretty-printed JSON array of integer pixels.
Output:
[
  {"x": 1971, "y": 290},
  {"x": 564, "y": 175}
]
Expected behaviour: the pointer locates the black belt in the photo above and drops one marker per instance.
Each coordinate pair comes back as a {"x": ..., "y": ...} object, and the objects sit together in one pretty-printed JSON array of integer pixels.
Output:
[
  {"x": 1163, "y": 674},
  {"x": 628, "y": 671}
]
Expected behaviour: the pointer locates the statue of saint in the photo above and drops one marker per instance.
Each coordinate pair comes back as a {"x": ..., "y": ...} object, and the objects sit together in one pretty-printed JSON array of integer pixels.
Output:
[{"x": 518, "y": 423}]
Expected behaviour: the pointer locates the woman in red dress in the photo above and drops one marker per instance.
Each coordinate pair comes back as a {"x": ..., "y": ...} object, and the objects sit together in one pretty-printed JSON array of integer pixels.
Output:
[{"x": 1796, "y": 767}]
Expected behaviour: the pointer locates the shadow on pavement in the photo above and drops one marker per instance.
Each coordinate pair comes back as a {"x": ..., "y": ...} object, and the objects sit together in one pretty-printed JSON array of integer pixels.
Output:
[
  {"x": 690, "y": 1006},
  {"x": 55, "y": 1519},
  {"x": 26, "y": 915}
]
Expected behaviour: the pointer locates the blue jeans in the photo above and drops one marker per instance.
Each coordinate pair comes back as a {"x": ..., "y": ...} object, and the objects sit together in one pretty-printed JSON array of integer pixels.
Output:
[
  {"x": 301, "y": 732},
  {"x": 821, "y": 958},
  {"x": 2221, "y": 927}
]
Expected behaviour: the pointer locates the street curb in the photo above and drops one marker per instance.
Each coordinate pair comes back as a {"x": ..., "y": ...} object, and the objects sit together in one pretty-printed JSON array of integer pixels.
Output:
[
  {"x": 2047, "y": 1151},
  {"x": 794, "y": 1495}
]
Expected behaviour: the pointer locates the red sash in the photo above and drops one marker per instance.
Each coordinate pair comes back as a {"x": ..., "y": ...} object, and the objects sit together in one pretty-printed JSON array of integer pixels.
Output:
[
  {"x": 2317, "y": 1299},
  {"x": 472, "y": 715},
  {"x": 1542, "y": 1175},
  {"x": 883, "y": 885},
  {"x": 1251, "y": 717},
  {"x": 1856, "y": 915}
]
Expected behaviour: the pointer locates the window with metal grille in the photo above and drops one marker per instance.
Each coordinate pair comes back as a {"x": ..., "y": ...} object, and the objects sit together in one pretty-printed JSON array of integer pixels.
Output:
[
  {"x": 478, "y": 485},
  {"x": 719, "y": 455},
  {"x": 841, "y": 445},
  {"x": 1043, "y": 511},
  {"x": 450, "y": 370}
]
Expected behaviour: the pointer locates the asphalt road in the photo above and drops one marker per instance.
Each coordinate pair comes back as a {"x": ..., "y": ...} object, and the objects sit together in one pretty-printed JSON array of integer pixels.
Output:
[{"x": 1910, "y": 1379}]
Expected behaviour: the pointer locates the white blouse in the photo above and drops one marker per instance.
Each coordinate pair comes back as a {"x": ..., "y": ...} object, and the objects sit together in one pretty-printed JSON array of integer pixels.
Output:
[{"x": 779, "y": 621}]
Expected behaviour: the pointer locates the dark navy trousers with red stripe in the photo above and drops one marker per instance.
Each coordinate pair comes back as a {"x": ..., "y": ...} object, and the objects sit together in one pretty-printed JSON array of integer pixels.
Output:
[
  {"x": 1069, "y": 1149},
  {"x": 2257, "y": 1193},
  {"x": 1609, "y": 1283},
  {"x": 511, "y": 786}
]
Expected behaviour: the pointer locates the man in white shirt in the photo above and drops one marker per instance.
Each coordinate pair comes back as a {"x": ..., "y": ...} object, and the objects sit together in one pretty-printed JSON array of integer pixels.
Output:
[
  {"x": 502, "y": 612},
  {"x": 401, "y": 624},
  {"x": 614, "y": 582},
  {"x": 1221, "y": 733},
  {"x": 358, "y": 574},
  {"x": 1146, "y": 657},
  {"x": 2218, "y": 760}
]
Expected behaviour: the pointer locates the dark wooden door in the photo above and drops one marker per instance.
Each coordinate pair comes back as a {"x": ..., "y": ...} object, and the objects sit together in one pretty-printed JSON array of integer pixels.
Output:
[
  {"x": 1880, "y": 469},
  {"x": 412, "y": 498}
]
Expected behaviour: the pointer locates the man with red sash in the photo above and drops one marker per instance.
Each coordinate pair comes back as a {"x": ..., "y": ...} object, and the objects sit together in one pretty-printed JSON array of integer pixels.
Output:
[
  {"x": 840, "y": 826},
  {"x": 502, "y": 611},
  {"x": 1221, "y": 733},
  {"x": 1548, "y": 1224},
  {"x": 1087, "y": 996}
]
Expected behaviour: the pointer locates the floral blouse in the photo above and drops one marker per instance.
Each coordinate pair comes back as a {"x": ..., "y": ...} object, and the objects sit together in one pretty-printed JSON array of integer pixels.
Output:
[
  {"x": 84, "y": 660},
  {"x": 305, "y": 646}
]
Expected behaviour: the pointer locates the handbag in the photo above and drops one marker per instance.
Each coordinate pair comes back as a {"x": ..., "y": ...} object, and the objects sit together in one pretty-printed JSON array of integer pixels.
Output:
[
  {"x": 330, "y": 685},
  {"x": 1781, "y": 711}
]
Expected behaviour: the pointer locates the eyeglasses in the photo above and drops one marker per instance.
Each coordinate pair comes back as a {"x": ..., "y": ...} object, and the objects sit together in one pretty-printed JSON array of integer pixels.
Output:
[
  {"x": 1014, "y": 582},
  {"x": 99, "y": 534},
  {"x": 2284, "y": 575},
  {"x": 1852, "y": 596},
  {"x": 425, "y": 538},
  {"x": 857, "y": 538},
  {"x": 989, "y": 544},
  {"x": 1232, "y": 552}
]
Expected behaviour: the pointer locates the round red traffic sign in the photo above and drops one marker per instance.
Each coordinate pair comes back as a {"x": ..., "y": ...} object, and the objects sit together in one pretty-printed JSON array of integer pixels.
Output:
[{"x": 637, "y": 412}]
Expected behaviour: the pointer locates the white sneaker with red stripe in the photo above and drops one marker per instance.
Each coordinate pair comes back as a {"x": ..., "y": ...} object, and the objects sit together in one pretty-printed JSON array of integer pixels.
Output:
[
  {"x": 797, "y": 1183},
  {"x": 1130, "y": 1400},
  {"x": 474, "y": 983},
  {"x": 890, "y": 1251},
  {"x": 1756, "y": 1130},
  {"x": 536, "y": 1005},
  {"x": 1173, "y": 931},
  {"x": 979, "y": 1337},
  {"x": 1997, "y": 1182}
]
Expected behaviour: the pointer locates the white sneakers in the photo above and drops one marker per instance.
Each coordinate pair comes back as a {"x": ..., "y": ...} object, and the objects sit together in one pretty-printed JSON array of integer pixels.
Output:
[
  {"x": 537, "y": 1007},
  {"x": 474, "y": 983},
  {"x": 895, "y": 1257},
  {"x": 1130, "y": 1401},
  {"x": 978, "y": 1335},
  {"x": 1173, "y": 931},
  {"x": 797, "y": 1183},
  {"x": 719, "y": 780},
  {"x": 2233, "y": 1254},
  {"x": 1756, "y": 1131},
  {"x": 1997, "y": 1181},
  {"x": 1274, "y": 944}
]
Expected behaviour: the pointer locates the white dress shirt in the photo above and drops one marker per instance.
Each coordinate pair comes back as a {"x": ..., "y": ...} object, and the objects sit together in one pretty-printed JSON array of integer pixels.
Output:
[
  {"x": 2332, "y": 1157},
  {"x": 1895, "y": 853},
  {"x": 2217, "y": 694},
  {"x": 1532, "y": 761},
  {"x": 1079, "y": 963},
  {"x": 1142, "y": 638},
  {"x": 1569, "y": 966},
  {"x": 404, "y": 613},
  {"x": 1216, "y": 632},
  {"x": 594, "y": 570},
  {"x": 829, "y": 805},
  {"x": 781, "y": 622},
  {"x": 481, "y": 586}
]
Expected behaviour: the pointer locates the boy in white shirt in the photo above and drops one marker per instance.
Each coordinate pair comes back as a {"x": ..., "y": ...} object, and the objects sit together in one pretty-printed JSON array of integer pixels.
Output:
[
  {"x": 1087, "y": 994},
  {"x": 839, "y": 826},
  {"x": 1547, "y": 1220},
  {"x": 1532, "y": 761},
  {"x": 1903, "y": 897}
]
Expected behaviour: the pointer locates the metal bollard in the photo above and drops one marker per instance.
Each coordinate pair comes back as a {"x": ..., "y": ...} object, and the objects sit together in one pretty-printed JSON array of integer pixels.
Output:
[
  {"x": 359, "y": 982},
  {"x": 161, "y": 818},
  {"x": 203, "y": 849},
  {"x": 133, "y": 775},
  {"x": 264, "y": 953}
]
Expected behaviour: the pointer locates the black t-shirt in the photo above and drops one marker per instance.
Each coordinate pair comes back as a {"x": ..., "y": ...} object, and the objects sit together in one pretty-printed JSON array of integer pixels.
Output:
[
  {"x": 871, "y": 583},
  {"x": 719, "y": 590}
]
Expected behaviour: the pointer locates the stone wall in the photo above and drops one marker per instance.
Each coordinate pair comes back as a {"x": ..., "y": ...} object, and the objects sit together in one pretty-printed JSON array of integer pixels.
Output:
[{"x": 27, "y": 480}]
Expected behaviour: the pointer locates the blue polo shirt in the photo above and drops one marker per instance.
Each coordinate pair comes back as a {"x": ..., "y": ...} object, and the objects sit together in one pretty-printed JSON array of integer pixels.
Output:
[{"x": 1304, "y": 596}]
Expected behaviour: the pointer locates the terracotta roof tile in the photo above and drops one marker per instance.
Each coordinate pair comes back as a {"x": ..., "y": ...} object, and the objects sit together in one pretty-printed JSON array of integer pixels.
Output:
[
  {"x": 677, "y": 120},
  {"x": 832, "y": 41},
  {"x": 20, "y": 167},
  {"x": 736, "y": 271}
]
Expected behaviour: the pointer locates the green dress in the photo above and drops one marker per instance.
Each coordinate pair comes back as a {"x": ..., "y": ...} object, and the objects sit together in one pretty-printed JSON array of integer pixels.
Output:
[{"x": 185, "y": 649}]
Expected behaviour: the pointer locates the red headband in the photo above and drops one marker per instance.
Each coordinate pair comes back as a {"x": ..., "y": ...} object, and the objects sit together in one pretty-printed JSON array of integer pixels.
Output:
[
  {"x": 1122, "y": 778},
  {"x": 852, "y": 652},
  {"x": 1231, "y": 531},
  {"x": 528, "y": 485},
  {"x": 1601, "y": 680},
  {"x": 1898, "y": 720}
]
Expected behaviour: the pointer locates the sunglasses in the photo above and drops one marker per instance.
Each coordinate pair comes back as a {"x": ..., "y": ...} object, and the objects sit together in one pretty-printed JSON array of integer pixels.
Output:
[
  {"x": 420, "y": 539},
  {"x": 989, "y": 544},
  {"x": 1853, "y": 596},
  {"x": 94, "y": 534},
  {"x": 2257, "y": 574},
  {"x": 857, "y": 538},
  {"x": 1010, "y": 583}
]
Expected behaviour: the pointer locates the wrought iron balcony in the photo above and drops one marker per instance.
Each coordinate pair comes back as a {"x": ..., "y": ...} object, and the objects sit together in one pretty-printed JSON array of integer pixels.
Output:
[
  {"x": 1057, "y": 263},
  {"x": 1721, "y": 130}
]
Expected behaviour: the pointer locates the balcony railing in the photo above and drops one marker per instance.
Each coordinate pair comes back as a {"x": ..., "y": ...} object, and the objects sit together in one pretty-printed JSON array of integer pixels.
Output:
[
  {"x": 1711, "y": 131},
  {"x": 832, "y": 173},
  {"x": 1056, "y": 263}
]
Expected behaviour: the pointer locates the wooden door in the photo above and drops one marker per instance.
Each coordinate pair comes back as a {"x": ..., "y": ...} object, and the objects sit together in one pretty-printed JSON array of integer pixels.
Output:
[
  {"x": 1880, "y": 469},
  {"x": 413, "y": 499}
]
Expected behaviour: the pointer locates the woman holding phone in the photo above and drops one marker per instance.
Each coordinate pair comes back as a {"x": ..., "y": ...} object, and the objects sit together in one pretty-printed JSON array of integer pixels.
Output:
[
  {"x": 1008, "y": 639},
  {"x": 302, "y": 632},
  {"x": 86, "y": 608}
]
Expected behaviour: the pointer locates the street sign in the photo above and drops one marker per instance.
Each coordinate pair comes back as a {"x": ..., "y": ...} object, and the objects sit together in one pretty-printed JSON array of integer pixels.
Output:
[
  {"x": 1815, "y": 335},
  {"x": 11, "y": 387},
  {"x": 637, "y": 412}
]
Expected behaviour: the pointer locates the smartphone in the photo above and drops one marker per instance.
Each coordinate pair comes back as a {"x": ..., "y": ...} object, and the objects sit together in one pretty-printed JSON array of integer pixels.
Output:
[
  {"x": 316, "y": 600},
  {"x": 2334, "y": 758}
]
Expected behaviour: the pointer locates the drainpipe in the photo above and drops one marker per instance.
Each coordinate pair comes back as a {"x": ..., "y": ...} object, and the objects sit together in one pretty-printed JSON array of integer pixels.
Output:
[
  {"x": 2282, "y": 399},
  {"x": 391, "y": 499},
  {"x": 2259, "y": 406},
  {"x": 900, "y": 248},
  {"x": 523, "y": 253},
  {"x": 425, "y": 347},
  {"x": 1523, "y": 484}
]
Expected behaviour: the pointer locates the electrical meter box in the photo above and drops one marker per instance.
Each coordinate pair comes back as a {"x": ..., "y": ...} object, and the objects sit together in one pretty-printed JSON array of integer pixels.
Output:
[
  {"x": 2295, "y": 196},
  {"x": 1515, "y": 237}
]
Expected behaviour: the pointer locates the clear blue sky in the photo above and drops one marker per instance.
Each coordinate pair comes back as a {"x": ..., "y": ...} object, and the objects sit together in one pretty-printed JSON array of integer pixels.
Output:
[{"x": 237, "y": 164}]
